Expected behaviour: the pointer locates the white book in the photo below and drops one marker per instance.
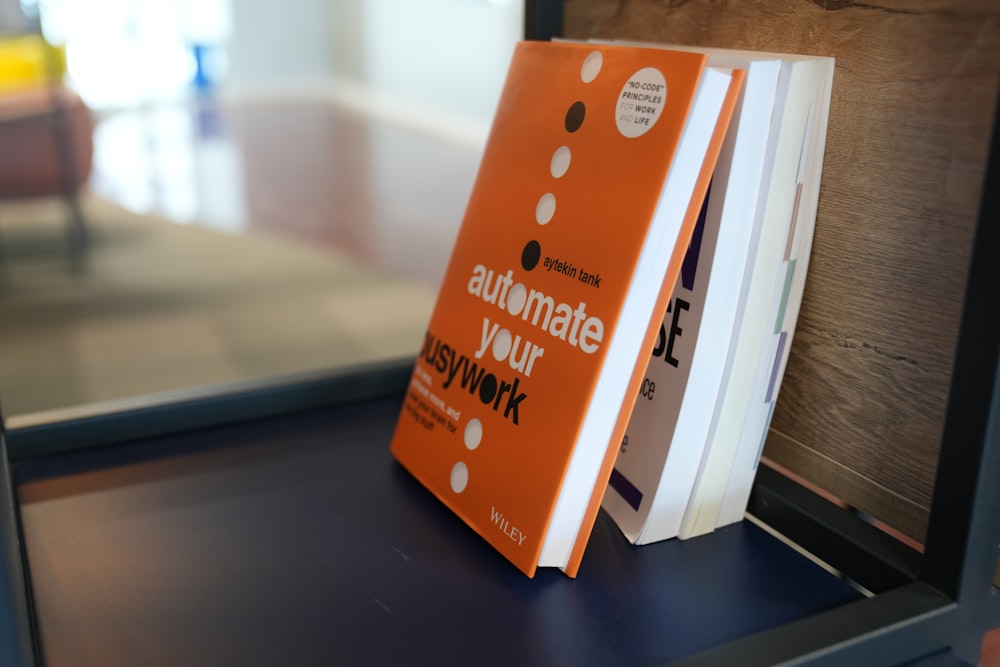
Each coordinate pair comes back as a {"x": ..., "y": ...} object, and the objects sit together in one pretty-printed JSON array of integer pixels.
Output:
[
  {"x": 786, "y": 301},
  {"x": 662, "y": 451},
  {"x": 800, "y": 77}
]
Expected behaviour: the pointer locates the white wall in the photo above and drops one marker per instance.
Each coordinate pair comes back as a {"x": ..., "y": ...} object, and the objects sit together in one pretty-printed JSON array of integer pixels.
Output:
[
  {"x": 435, "y": 63},
  {"x": 279, "y": 46},
  {"x": 451, "y": 54}
]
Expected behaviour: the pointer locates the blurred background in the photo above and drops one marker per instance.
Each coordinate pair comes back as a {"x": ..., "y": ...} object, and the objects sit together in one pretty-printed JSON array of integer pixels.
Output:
[{"x": 197, "y": 192}]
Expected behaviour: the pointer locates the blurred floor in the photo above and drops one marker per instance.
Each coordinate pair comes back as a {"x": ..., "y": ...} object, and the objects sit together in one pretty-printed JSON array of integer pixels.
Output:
[{"x": 228, "y": 243}]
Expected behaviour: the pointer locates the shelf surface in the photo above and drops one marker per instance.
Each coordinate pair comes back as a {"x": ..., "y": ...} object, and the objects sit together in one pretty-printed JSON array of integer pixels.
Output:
[{"x": 298, "y": 540}]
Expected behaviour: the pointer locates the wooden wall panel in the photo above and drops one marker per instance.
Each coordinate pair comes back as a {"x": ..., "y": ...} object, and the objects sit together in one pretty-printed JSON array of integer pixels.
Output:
[{"x": 862, "y": 406}]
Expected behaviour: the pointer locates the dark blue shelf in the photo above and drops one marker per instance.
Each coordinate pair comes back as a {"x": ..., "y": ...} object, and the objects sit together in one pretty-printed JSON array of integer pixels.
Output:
[{"x": 298, "y": 540}]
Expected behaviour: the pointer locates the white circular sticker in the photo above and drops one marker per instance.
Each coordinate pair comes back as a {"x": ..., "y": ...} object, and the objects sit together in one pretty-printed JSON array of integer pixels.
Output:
[
  {"x": 473, "y": 433},
  {"x": 640, "y": 102},
  {"x": 560, "y": 162},
  {"x": 591, "y": 66},
  {"x": 516, "y": 298},
  {"x": 459, "y": 477},
  {"x": 545, "y": 209},
  {"x": 501, "y": 345}
]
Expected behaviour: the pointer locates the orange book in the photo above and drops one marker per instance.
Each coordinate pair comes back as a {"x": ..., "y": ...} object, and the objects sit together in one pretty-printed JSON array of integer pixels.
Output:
[{"x": 575, "y": 231}]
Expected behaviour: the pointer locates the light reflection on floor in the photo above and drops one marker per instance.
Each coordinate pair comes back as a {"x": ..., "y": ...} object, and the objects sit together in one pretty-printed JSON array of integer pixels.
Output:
[
  {"x": 303, "y": 169},
  {"x": 172, "y": 161}
]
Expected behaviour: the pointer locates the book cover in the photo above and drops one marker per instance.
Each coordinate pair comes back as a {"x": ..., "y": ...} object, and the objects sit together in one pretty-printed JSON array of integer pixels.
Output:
[{"x": 585, "y": 200}]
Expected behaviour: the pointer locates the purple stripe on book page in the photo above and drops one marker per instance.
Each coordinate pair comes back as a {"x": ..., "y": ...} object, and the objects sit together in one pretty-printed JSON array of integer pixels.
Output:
[
  {"x": 776, "y": 366},
  {"x": 626, "y": 489}
]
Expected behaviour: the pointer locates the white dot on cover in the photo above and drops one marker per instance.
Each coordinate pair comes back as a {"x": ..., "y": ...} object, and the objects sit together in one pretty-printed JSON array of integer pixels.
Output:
[
  {"x": 459, "y": 477},
  {"x": 591, "y": 66},
  {"x": 545, "y": 209},
  {"x": 516, "y": 298},
  {"x": 473, "y": 433},
  {"x": 560, "y": 161},
  {"x": 501, "y": 345}
]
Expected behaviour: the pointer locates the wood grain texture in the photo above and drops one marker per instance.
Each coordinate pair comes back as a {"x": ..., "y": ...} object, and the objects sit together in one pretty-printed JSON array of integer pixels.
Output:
[{"x": 862, "y": 405}]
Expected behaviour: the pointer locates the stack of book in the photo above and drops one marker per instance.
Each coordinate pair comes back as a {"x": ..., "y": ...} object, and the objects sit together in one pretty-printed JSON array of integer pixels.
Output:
[{"x": 617, "y": 312}]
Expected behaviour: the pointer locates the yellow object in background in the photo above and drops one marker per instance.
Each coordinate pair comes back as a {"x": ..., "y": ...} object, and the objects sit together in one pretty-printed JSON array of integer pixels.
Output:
[{"x": 27, "y": 61}]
